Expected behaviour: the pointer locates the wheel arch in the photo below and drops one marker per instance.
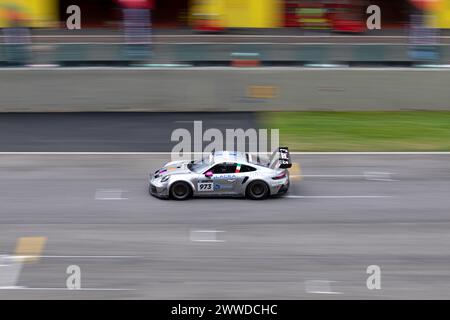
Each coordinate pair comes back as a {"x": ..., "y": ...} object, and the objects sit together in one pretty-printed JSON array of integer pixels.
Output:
[
  {"x": 189, "y": 183},
  {"x": 253, "y": 181}
]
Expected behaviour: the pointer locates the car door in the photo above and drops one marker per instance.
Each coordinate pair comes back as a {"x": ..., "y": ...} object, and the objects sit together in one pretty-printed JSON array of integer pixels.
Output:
[
  {"x": 224, "y": 178},
  {"x": 242, "y": 174},
  {"x": 203, "y": 185}
]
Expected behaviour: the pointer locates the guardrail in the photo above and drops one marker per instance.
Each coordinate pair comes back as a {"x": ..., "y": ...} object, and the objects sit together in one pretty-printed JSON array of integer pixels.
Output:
[{"x": 220, "y": 54}]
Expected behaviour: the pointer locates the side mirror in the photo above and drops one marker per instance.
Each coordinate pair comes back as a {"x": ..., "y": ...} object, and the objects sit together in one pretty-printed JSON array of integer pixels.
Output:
[{"x": 209, "y": 174}]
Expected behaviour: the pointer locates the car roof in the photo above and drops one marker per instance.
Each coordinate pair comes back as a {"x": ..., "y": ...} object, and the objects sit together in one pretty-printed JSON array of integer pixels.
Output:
[{"x": 229, "y": 156}]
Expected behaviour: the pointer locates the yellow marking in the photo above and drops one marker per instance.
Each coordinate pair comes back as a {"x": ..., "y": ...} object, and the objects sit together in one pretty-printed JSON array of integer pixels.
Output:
[
  {"x": 30, "y": 246},
  {"x": 295, "y": 172},
  {"x": 262, "y": 92}
]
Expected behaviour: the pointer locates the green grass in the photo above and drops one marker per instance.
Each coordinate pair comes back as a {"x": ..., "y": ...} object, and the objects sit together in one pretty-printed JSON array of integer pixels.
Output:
[{"x": 362, "y": 131}]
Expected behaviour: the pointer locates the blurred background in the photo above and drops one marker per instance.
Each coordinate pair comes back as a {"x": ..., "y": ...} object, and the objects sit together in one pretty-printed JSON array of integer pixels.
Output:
[
  {"x": 211, "y": 15},
  {"x": 86, "y": 114},
  {"x": 218, "y": 32}
]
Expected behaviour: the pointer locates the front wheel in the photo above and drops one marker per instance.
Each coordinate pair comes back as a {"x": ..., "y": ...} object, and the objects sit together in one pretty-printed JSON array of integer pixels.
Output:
[
  {"x": 180, "y": 191},
  {"x": 257, "y": 190}
]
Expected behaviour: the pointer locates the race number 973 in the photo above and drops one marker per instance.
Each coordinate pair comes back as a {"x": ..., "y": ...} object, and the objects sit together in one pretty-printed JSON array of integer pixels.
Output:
[{"x": 205, "y": 186}]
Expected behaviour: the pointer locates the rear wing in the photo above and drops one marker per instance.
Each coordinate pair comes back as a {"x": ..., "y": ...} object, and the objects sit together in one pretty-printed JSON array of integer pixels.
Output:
[{"x": 280, "y": 159}]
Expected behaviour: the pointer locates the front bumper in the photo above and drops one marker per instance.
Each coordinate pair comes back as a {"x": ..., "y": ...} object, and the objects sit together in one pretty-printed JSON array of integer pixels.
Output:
[
  {"x": 158, "y": 189},
  {"x": 158, "y": 192}
]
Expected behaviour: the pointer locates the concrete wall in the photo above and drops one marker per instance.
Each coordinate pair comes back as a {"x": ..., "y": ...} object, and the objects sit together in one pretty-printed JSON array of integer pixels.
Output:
[{"x": 209, "y": 89}]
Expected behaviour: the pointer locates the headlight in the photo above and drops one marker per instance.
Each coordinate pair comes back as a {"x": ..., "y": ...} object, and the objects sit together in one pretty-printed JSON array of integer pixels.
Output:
[{"x": 165, "y": 179}]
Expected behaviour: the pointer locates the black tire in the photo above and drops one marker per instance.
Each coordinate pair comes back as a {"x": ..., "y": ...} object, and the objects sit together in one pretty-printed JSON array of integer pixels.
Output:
[
  {"x": 257, "y": 190},
  {"x": 180, "y": 191}
]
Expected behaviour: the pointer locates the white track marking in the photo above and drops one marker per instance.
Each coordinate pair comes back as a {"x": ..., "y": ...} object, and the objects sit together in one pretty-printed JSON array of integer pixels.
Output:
[
  {"x": 169, "y": 153},
  {"x": 205, "y": 236},
  {"x": 44, "y": 66},
  {"x": 387, "y": 153},
  {"x": 330, "y": 176},
  {"x": 370, "y": 176},
  {"x": 109, "y": 194},
  {"x": 319, "y": 287},
  {"x": 379, "y": 176},
  {"x": 65, "y": 289},
  {"x": 9, "y": 272},
  {"x": 325, "y": 292},
  {"x": 338, "y": 197}
]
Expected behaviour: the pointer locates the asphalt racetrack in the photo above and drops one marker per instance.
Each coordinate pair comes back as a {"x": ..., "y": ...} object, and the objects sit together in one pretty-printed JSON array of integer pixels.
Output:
[
  {"x": 108, "y": 132},
  {"x": 345, "y": 213}
]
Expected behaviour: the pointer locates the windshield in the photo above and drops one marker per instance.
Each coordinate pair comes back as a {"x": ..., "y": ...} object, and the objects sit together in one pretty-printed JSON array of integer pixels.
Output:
[{"x": 200, "y": 165}]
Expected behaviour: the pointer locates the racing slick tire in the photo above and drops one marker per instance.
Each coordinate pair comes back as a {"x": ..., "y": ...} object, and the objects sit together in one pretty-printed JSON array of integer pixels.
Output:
[
  {"x": 180, "y": 191},
  {"x": 257, "y": 190}
]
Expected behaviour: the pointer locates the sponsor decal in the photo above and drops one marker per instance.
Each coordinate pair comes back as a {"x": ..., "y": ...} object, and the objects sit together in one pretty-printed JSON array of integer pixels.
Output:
[
  {"x": 218, "y": 186},
  {"x": 224, "y": 176}
]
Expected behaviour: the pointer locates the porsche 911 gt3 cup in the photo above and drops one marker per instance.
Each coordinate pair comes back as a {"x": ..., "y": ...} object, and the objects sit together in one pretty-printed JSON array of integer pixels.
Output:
[{"x": 224, "y": 173}]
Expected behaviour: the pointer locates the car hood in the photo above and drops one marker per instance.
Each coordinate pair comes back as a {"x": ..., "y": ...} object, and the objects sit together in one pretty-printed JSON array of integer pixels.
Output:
[{"x": 171, "y": 168}]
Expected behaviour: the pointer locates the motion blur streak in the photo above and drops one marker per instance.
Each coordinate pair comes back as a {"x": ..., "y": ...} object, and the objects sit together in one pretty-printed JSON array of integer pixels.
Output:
[
  {"x": 94, "y": 96},
  {"x": 273, "y": 249}
]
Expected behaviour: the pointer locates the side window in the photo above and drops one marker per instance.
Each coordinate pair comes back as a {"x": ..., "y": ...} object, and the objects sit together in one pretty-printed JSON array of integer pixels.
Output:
[
  {"x": 224, "y": 168},
  {"x": 245, "y": 168},
  {"x": 219, "y": 169},
  {"x": 231, "y": 168}
]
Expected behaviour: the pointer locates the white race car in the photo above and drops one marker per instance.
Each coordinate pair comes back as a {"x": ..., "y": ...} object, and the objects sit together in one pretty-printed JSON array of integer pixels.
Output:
[{"x": 224, "y": 173}]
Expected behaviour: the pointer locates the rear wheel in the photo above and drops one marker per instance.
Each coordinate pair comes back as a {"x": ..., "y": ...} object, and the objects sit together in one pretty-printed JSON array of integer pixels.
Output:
[
  {"x": 257, "y": 190},
  {"x": 180, "y": 191}
]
